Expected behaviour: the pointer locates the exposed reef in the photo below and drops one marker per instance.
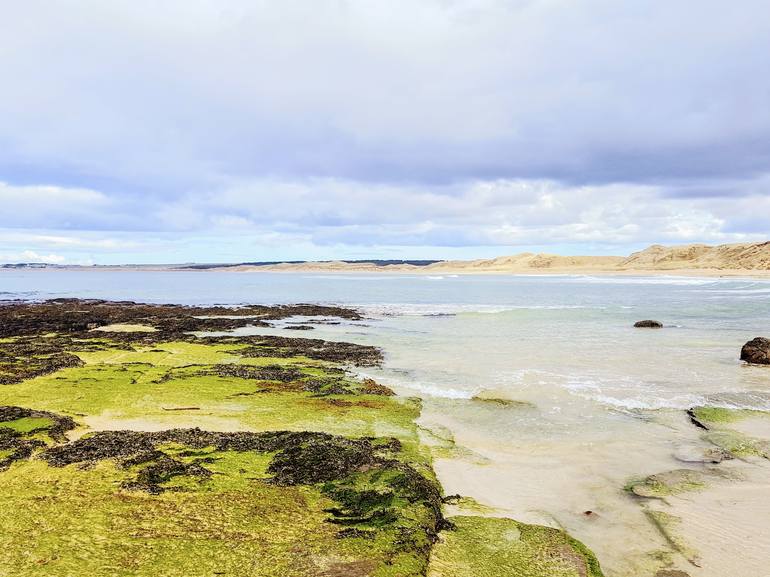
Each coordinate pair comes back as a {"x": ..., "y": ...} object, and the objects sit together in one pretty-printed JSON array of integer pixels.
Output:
[
  {"x": 206, "y": 454},
  {"x": 487, "y": 546}
]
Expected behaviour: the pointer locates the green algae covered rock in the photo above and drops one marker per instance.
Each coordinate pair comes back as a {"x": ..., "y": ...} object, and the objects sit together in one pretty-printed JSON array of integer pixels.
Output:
[
  {"x": 498, "y": 547},
  {"x": 722, "y": 426},
  {"x": 673, "y": 482}
]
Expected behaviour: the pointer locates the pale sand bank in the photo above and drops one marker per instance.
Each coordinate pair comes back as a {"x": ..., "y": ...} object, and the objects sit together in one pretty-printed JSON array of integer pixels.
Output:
[{"x": 734, "y": 260}]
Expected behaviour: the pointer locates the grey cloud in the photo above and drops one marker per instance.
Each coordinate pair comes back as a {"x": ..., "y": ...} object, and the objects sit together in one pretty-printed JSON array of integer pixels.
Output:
[
  {"x": 585, "y": 91},
  {"x": 443, "y": 123}
]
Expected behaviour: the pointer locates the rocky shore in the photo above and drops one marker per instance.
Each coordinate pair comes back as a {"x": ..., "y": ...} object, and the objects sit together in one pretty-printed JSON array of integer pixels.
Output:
[{"x": 131, "y": 443}]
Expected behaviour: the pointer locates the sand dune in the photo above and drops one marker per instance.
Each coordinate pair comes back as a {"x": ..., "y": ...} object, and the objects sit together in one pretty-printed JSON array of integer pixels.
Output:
[
  {"x": 750, "y": 256},
  {"x": 751, "y": 259}
]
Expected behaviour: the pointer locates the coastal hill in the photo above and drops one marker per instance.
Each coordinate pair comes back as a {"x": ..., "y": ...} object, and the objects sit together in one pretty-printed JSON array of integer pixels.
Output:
[
  {"x": 745, "y": 258},
  {"x": 741, "y": 259},
  {"x": 750, "y": 256}
]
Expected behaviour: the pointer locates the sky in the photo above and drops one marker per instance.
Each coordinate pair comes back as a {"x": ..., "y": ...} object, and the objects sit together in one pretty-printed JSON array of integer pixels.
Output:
[{"x": 252, "y": 130}]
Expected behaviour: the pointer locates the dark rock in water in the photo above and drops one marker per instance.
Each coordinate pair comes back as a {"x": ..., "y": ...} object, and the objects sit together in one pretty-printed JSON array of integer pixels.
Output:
[
  {"x": 756, "y": 351},
  {"x": 299, "y": 328},
  {"x": 671, "y": 573},
  {"x": 648, "y": 324}
]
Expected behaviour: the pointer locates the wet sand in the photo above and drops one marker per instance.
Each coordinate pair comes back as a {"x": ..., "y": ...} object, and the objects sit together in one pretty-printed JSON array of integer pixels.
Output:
[{"x": 576, "y": 481}]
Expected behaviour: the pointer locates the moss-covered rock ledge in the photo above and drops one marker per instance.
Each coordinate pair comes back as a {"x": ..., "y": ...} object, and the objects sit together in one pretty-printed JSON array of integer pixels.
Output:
[{"x": 129, "y": 446}]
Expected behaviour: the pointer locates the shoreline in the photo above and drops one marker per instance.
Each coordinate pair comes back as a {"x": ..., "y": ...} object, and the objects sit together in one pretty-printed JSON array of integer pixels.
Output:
[{"x": 749, "y": 274}]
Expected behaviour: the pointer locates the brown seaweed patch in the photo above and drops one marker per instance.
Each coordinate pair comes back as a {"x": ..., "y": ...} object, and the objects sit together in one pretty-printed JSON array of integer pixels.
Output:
[
  {"x": 333, "y": 351},
  {"x": 68, "y": 316},
  {"x": 372, "y": 387},
  {"x": 264, "y": 373},
  {"x": 26, "y": 358},
  {"x": 161, "y": 468}
]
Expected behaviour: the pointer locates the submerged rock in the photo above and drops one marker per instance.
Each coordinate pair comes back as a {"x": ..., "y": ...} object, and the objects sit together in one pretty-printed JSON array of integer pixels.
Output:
[
  {"x": 723, "y": 429},
  {"x": 486, "y": 546},
  {"x": 669, "y": 527},
  {"x": 756, "y": 351},
  {"x": 648, "y": 324},
  {"x": 695, "y": 454},
  {"x": 498, "y": 397},
  {"x": 668, "y": 483},
  {"x": 738, "y": 444}
]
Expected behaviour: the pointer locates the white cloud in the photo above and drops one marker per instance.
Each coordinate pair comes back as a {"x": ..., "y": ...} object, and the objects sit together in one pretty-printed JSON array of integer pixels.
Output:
[
  {"x": 32, "y": 256},
  {"x": 322, "y": 126}
]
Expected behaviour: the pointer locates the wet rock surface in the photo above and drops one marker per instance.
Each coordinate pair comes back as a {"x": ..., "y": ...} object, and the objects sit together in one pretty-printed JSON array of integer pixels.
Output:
[
  {"x": 357, "y": 488},
  {"x": 372, "y": 387},
  {"x": 41, "y": 338},
  {"x": 756, "y": 351}
]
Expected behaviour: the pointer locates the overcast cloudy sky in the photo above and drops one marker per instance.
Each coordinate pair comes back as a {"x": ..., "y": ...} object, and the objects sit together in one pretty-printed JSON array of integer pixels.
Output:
[{"x": 195, "y": 130}]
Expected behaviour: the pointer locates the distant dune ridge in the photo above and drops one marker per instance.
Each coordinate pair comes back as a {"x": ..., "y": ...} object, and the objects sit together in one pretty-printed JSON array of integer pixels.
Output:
[
  {"x": 726, "y": 259},
  {"x": 748, "y": 256},
  {"x": 742, "y": 259}
]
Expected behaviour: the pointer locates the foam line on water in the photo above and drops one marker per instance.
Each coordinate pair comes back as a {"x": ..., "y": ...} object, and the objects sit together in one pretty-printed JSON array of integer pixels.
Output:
[{"x": 436, "y": 309}]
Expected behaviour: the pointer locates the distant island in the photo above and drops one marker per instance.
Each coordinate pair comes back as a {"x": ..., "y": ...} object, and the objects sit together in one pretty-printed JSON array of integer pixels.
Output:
[{"x": 752, "y": 259}]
